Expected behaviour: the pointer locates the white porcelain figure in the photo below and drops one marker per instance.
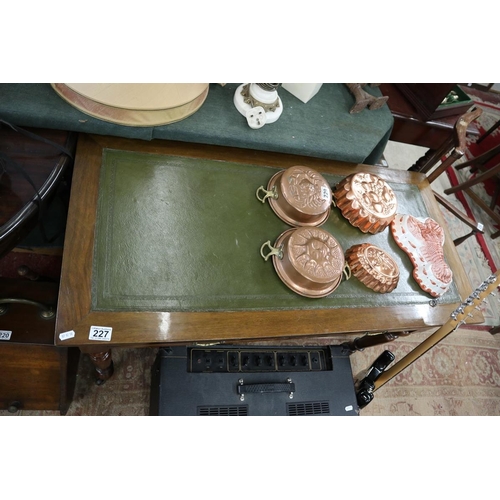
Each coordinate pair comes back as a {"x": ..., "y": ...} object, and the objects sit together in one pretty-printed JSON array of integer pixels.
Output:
[{"x": 250, "y": 96}]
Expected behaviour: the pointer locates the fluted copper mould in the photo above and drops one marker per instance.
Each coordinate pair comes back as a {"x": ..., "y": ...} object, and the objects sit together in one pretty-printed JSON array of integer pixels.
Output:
[
  {"x": 309, "y": 261},
  {"x": 366, "y": 201},
  {"x": 299, "y": 196},
  {"x": 374, "y": 267}
]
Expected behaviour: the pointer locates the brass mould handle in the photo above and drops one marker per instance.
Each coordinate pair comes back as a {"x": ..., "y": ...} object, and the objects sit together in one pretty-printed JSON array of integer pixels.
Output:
[
  {"x": 347, "y": 271},
  {"x": 268, "y": 194},
  {"x": 47, "y": 312},
  {"x": 274, "y": 251}
]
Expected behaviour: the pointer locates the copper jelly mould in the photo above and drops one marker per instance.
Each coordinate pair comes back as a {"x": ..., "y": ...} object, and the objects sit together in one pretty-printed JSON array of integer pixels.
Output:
[
  {"x": 374, "y": 267},
  {"x": 299, "y": 196},
  {"x": 366, "y": 201},
  {"x": 309, "y": 261}
]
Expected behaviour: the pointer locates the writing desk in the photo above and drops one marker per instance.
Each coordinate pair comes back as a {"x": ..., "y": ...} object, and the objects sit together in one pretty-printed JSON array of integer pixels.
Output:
[{"x": 162, "y": 246}]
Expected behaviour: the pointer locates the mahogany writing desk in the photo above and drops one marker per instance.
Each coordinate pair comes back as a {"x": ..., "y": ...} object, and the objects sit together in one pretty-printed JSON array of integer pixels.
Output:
[{"x": 162, "y": 246}]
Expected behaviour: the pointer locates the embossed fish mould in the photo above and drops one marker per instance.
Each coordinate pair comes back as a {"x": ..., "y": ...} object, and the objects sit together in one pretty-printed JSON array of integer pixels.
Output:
[
  {"x": 422, "y": 239},
  {"x": 366, "y": 201}
]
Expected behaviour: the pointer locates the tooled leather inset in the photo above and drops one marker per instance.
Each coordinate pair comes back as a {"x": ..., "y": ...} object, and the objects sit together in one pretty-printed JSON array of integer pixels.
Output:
[
  {"x": 316, "y": 254},
  {"x": 374, "y": 195},
  {"x": 431, "y": 235},
  {"x": 379, "y": 264},
  {"x": 308, "y": 189}
]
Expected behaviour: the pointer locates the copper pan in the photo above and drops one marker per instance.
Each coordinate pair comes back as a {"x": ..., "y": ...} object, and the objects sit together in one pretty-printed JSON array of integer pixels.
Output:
[
  {"x": 299, "y": 196},
  {"x": 309, "y": 261}
]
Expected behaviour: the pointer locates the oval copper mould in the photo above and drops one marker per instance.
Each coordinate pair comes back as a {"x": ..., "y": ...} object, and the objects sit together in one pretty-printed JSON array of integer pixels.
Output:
[
  {"x": 374, "y": 267},
  {"x": 299, "y": 196},
  {"x": 366, "y": 201},
  {"x": 310, "y": 261}
]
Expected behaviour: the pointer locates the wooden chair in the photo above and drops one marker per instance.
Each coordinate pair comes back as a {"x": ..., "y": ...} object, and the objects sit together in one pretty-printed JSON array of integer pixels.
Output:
[
  {"x": 453, "y": 149},
  {"x": 479, "y": 164}
]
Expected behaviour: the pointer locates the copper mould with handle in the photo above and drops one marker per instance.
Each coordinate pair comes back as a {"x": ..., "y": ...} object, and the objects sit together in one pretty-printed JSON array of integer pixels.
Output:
[
  {"x": 299, "y": 196},
  {"x": 374, "y": 267},
  {"x": 309, "y": 261},
  {"x": 366, "y": 201}
]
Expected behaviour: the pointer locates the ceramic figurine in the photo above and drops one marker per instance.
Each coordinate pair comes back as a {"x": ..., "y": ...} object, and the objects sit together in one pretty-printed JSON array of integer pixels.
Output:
[{"x": 258, "y": 100}]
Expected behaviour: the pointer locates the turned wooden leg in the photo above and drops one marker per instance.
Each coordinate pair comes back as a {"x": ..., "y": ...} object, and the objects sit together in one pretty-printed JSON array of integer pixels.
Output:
[{"x": 103, "y": 363}]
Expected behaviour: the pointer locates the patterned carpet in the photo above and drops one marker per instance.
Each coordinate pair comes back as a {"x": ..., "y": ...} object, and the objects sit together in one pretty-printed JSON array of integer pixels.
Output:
[{"x": 460, "y": 376}]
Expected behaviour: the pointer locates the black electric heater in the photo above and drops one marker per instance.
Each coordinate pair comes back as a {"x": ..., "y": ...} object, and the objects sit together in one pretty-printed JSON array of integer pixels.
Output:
[{"x": 253, "y": 381}]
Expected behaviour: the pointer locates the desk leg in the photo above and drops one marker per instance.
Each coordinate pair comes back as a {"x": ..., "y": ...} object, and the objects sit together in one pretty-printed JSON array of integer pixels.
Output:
[{"x": 102, "y": 361}]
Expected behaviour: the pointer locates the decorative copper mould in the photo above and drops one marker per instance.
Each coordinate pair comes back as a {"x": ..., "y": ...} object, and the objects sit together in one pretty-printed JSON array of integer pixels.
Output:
[
  {"x": 373, "y": 267},
  {"x": 366, "y": 201},
  {"x": 299, "y": 196},
  {"x": 423, "y": 240},
  {"x": 310, "y": 261}
]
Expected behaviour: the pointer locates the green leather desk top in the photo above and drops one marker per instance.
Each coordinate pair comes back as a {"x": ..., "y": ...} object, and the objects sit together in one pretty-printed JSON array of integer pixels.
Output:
[
  {"x": 322, "y": 127},
  {"x": 184, "y": 234}
]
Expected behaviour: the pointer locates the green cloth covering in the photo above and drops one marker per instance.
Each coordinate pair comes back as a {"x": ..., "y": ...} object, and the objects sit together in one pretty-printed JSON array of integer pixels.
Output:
[
  {"x": 322, "y": 127},
  {"x": 183, "y": 234}
]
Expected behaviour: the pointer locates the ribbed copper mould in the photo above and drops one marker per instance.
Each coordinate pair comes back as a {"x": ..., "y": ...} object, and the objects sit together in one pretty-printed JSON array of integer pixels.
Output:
[
  {"x": 299, "y": 196},
  {"x": 310, "y": 261},
  {"x": 366, "y": 201},
  {"x": 374, "y": 267}
]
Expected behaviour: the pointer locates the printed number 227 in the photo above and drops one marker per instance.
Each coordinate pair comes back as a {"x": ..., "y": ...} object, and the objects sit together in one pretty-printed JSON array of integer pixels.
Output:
[{"x": 101, "y": 333}]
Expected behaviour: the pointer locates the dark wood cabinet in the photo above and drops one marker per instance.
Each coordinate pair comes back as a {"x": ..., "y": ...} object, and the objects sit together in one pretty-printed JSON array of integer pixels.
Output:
[
  {"x": 426, "y": 97},
  {"x": 34, "y": 373},
  {"x": 409, "y": 125}
]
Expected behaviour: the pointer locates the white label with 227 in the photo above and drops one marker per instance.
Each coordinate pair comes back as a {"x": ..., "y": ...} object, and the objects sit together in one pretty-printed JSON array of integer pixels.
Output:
[{"x": 101, "y": 333}]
